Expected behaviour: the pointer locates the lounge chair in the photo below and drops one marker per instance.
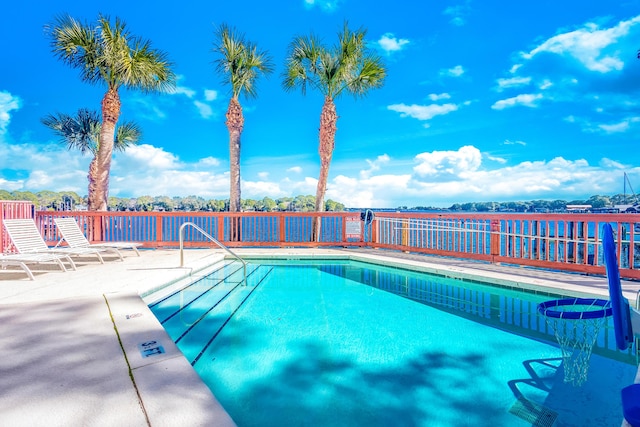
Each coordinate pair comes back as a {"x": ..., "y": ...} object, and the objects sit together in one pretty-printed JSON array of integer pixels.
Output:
[
  {"x": 27, "y": 240},
  {"x": 75, "y": 238},
  {"x": 21, "y": 260}
]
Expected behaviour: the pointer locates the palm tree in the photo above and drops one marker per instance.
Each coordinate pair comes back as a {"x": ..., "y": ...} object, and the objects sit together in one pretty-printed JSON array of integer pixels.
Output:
[
  {"x": 106, "y": 53},
  {"x": 82, "y": 132},
  {"x": 348, "y": 67},
  {"x": 240, "y": 63}
]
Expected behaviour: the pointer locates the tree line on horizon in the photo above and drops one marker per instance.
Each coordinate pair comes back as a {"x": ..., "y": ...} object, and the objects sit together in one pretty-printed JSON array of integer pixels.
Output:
[
  {"x": 69, "y": 200},
  {"x": 557, "y": 205}
]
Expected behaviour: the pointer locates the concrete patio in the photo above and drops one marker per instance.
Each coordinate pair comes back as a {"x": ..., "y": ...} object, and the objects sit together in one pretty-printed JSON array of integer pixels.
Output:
[{"x": 79, "y": 348}]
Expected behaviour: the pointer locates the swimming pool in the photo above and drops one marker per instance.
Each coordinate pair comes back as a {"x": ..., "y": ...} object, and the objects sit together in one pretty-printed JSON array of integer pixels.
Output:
[{"x": 337, "y": 343}]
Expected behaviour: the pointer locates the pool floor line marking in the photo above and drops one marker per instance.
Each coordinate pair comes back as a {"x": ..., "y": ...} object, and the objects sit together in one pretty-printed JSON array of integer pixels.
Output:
[
  {"x": 192, "y": 283},
  {"x": 220, "y": 281},
  {"x": 224, "y": 298},
  {"x": 229, "y": 318}
]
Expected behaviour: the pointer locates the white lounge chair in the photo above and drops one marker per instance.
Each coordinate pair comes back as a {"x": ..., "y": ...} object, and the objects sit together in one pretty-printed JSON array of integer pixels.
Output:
[
  {"x": 75, "y": 238},
  {"x": 21, "y": 260},
  {"x": 27, "y": 240}
]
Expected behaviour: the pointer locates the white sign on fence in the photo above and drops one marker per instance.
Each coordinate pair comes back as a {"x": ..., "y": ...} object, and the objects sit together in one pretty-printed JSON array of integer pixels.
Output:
[{"x": 353, "y": 227}]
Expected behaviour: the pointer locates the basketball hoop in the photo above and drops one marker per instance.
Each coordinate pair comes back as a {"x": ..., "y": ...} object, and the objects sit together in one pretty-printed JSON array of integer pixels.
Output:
[{"x": 576, "y": 323}]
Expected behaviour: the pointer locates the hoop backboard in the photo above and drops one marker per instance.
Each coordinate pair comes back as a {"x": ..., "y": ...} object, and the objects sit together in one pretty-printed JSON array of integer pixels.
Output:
[{"x": 619, "y": 304}]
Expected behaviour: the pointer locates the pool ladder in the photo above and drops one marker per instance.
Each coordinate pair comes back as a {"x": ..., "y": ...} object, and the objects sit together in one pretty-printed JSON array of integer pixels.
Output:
[{"x": 214, "y": 240}]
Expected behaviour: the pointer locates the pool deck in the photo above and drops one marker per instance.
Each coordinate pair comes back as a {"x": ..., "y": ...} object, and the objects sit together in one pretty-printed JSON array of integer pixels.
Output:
[{"x": 82, "y": 348}]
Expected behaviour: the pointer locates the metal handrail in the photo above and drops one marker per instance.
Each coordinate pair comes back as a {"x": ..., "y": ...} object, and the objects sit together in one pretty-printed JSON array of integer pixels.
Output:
[{"x": 214, "y": 240}]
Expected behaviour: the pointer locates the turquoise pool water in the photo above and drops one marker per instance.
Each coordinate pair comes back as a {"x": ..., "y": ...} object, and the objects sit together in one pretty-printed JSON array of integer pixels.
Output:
[{"x": 353, "y": 344}]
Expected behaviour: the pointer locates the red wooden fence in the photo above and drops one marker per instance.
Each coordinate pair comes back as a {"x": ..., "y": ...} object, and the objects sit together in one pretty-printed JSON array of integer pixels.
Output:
[
  {"x": 12, "y": 209},
  {"x": 566, "y": 242}
]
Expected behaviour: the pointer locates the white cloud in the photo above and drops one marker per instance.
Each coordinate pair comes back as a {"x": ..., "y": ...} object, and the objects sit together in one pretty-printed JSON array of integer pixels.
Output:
[
  {"x": 8, "y": 103},
  {"x": 615, "y": 128},
  {"x": 208, "y": 162},
  {"x": 324, "y": 5},
  {"x": 438, "y": 97},
  {"x": 456, "y": 71},
  {"x": 513, "y": 82},
  {"x": 592, "y": 126},
  {"x": 210, "y": 95},
  {"x": 145, "y": 156},
  {"x": 439, "y": 178},
  {"x": 608, "y": 163},
  {"x": 422, "y": 112},
  {"x": 376, "y": 191},
  {"x": 501, "y": 160},
  {"x": 466, "y": 159},
  {"x": 260, "y": 189},
  {"x": 374, "y": 165},
  {"x": 389, "y": 44},
  {"x": 554, "y": 179},
  {"x": 545, "y": 84},
  {"x": 619, "y": 127},
  {"x": 205, "y": 110},
  {"x": 183, "y": 90},
  {"x": 295, "y": 169},
  {"x": 458, "y": 13},
  {"x": 146, "y": 107},
  {"x": 37, "y": 167},
  {"x": 588, "y": 45},
  {"x": 527, "y": 100},
  {"x": 182, "y": 182},
  {"x": 509, "y": 142}
]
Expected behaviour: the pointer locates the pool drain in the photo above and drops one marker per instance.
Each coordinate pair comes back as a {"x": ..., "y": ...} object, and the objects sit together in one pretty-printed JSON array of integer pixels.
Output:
[{"x": 531, "y": 412}]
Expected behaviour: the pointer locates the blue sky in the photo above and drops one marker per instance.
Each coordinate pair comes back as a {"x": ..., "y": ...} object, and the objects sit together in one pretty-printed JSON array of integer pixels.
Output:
[{"x": 484, "y": 101}]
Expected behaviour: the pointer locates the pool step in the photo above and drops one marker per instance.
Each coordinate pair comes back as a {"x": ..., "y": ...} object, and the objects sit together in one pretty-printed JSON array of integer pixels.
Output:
[
  {"x": 211, "y": 304},
  {"x": 184, "y": 294}
]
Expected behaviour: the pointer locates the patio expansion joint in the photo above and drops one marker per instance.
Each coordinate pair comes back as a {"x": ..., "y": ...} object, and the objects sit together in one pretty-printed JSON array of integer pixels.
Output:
[{"x": 126, "y": 359}]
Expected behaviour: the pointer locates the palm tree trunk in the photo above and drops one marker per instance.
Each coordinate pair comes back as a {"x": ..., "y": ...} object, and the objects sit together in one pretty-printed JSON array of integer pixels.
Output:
[
  {"x": 110, "y": 114},
  {"x": 92, "y": 178},
  {"x": 328, "y": 128},
  {"x": 235, "y": 124}
]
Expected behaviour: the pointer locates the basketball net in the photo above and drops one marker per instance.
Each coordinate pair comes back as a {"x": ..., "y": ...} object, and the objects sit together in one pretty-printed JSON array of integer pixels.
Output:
[{"x": 576, "y": 338}]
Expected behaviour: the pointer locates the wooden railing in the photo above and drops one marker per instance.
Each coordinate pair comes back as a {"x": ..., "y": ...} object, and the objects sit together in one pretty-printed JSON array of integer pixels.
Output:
[
  {"x": 568, "y": 242},
  {"x": 565, "y": 242},
  {"x": 255, "y": 229},
  {"x": 12, "y": 209}
]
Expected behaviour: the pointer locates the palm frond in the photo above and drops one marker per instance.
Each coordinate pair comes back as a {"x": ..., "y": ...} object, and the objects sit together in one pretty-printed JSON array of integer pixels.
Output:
[
  {"x": 239, "y": 62},
  {"x": 80, "y": 132},
  {"x": 77, "y": 45},
  {"x": 127, "y": 134},
  {"x": 370, "y": 75},
  {"x": 349, "y": 66},
  {"x": 304, "y": 64},
  {"x": 107, "y": 53}
]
